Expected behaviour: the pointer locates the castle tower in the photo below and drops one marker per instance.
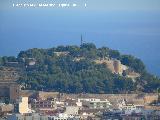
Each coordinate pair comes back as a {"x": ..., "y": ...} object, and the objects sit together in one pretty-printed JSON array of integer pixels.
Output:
[{"x": 117, "y": 66}]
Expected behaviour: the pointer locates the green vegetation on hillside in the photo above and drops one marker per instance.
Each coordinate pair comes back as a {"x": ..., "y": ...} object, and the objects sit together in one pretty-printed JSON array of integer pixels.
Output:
[{"x": 75, "y": 71}]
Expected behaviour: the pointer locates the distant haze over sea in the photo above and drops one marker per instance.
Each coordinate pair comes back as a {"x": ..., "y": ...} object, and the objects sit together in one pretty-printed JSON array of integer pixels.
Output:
[{"x": 130, "y": 28}]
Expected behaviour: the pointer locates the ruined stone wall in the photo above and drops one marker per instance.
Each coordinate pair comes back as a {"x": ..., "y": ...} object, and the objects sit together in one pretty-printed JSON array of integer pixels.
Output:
[{"x": 115, "y": 98}]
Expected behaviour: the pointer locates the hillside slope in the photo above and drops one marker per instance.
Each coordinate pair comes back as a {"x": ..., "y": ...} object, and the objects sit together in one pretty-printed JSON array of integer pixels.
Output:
[{"x": 74, "y": 69}]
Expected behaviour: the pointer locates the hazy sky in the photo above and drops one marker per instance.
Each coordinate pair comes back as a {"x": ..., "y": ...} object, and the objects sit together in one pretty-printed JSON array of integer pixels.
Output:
[
  {"x": 125, "y": 4},
  {"x": 97, "y": 4}
]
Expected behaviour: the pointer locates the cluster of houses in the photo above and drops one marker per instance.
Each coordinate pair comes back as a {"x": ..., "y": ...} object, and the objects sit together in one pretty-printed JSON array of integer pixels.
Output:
[{"x": 55, "y": 106}]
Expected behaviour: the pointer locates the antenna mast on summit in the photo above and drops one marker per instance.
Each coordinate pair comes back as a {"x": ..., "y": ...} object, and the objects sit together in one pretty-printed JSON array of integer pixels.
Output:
[{"x": 81, "y": 39}]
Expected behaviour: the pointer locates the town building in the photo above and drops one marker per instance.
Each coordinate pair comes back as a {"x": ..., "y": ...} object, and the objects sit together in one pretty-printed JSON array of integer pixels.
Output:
[
  {"x": 29, "y": 61},
  {"x": 93, "y": 103},
  {"x": 61, "y": 53},
  {"x": 6, "y": 108},
  {"x": 71, "y": 110},
  {"x": 130, "y": 108},
  {"x": 43, "y": 105},
  {"x": 37, "y": 116},
  {"x": 22, "y": 106}
]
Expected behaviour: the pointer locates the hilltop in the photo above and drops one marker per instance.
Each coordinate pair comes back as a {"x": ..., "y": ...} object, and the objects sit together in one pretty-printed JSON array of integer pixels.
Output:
[{"x": 81, "y": 69}]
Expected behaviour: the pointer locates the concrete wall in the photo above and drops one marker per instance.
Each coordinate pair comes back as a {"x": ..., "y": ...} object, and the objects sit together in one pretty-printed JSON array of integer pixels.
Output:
[{"x": 43, "y": 95}]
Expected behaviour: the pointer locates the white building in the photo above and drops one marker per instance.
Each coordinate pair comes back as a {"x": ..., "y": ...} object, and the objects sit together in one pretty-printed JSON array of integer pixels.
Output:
[
  {"x": 79, "y": 103},
  {"x": 22, "y": 106},
  {"x": 130, "y": 108},
  {"x": 93, "y": 103},
  {"x": 71, "y": 110}
]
